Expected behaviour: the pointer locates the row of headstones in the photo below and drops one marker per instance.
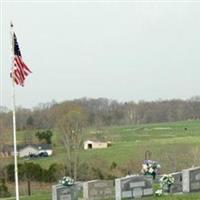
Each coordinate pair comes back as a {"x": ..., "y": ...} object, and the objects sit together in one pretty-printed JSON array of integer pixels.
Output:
[{"x": 133, "y": 186}]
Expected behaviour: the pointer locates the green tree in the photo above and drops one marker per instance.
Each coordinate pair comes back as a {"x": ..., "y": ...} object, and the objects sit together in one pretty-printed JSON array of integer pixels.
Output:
[
  {"x": 30, "y": 121},
  {"x": 44, "y": 136}
]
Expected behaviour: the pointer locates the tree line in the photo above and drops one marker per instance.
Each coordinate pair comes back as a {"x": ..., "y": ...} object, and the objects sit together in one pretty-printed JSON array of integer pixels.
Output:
[{"x": 103, "y": 112}]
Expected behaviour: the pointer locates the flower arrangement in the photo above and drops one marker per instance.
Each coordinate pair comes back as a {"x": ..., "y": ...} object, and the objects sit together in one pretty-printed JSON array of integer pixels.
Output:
[
  {"x": 158, "y": 192},
  {"x": 150, "y": 167},
  {"x": 166, "y": 181},
  {"x": 66, "y": 181}
]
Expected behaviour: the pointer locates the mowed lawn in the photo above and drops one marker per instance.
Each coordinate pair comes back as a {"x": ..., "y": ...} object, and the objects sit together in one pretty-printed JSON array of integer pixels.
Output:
[
  {"x": 46, "y": 196},
  {"x": 176, "y": 197},
  {"x": 174, "y": 145},
  {"x": 39, "y": 196}
]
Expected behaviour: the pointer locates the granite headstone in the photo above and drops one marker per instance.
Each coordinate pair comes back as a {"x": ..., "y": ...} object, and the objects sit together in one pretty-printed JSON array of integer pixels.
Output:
[
  {"x": 98, "y": 190},
  {"x": 60, "y": 192},
  {"x": 133, "y": 186},
  {"x": 191, "y": 180},
  {"x": 177, "y": 187}
]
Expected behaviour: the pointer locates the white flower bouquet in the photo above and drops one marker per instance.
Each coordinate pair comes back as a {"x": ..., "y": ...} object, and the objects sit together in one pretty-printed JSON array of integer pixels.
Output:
[
  {"x": 166, "y": 181},
  {"x": 66, "y": 181},
  {"x": 158, "y": 192},
  {"x": 150, "y": 167}
]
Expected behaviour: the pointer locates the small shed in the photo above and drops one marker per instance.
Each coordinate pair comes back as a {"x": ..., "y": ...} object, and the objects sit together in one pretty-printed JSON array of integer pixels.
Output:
[{"x": 92, "y": 144}]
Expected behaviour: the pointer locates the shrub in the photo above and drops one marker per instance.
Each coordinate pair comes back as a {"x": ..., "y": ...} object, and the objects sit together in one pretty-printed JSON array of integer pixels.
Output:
[
  {"x": 3, "y": 189},
  {"x": 34, "y": 172}
]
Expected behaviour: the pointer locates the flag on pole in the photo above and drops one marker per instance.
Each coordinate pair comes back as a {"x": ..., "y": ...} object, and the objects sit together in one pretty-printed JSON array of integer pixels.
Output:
[
  {"x": 19, "y": 70},
  {"x": 19, "y": 73}
]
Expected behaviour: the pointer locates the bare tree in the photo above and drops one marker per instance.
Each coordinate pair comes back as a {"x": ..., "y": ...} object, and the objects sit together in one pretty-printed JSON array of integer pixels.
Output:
[{"x": 71, "y": 127}]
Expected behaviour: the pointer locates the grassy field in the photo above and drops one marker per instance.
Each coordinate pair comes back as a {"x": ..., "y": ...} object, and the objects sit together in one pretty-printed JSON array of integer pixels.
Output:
[
  {"x": 174, "y": 145},
  {"x": 38, "y": 196},
  {"x": 177, "y": 197}
]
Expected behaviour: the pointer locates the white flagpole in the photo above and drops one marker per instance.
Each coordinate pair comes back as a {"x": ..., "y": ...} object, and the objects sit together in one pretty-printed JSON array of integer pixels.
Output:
[{"x": 14, "y": 118}]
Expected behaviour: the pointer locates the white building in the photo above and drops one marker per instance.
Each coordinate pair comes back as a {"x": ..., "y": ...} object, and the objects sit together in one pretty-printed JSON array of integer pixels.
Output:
[
  {"x": 91, "y": 144},
  {"x": 26, "y": 150}
]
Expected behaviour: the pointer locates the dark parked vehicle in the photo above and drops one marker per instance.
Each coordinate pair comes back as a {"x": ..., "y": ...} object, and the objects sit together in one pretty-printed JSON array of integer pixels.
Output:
[
  {"x": 43, "y": 154},
  {"x": 39, "y": 155}
]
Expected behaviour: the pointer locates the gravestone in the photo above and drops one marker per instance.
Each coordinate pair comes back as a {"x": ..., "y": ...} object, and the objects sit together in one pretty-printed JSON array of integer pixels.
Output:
[
  {"x": 191, "y": 180},
  {"x": 177, "y": 187},
  {"x": 60, "y": 192},
  {"x": 98, "y": 190},
  {"x": 133, "y": 186}
]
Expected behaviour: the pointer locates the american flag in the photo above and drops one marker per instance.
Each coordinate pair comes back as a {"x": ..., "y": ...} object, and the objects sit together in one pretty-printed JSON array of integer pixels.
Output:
[{"x": 20, "y": 69}]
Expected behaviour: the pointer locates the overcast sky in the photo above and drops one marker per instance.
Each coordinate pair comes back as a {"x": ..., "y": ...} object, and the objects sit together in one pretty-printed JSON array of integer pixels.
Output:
[{"x": 122, "y": 51}]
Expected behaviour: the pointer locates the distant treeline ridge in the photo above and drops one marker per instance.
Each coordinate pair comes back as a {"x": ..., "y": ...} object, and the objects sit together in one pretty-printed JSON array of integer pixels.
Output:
[{"x": 103, "y": 112}]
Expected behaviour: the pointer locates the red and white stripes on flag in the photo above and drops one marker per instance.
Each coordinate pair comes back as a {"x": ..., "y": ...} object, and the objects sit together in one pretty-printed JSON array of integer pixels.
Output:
[{"x": 19, "y": 70}]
